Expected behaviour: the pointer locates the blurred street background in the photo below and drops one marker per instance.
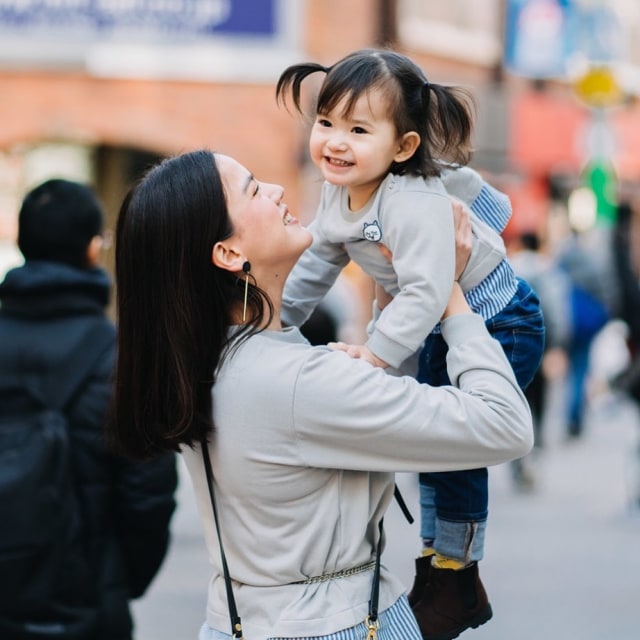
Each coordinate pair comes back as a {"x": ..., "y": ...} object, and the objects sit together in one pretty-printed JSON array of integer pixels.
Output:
[{"x": 98, "y": 91}]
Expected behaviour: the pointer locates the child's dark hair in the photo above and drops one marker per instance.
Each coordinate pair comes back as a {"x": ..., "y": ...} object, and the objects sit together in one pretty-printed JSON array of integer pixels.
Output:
[{"x": 442, "y": 116}]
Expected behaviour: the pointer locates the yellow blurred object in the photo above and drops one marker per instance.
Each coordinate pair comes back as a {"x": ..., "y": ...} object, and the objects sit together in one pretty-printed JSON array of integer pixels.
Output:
[{"x": 598, "y": 87}]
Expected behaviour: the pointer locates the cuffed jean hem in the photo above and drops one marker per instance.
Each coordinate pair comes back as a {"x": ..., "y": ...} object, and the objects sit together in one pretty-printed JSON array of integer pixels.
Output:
[
  {"x": 463, "y": 541},
  {"x": 427, "y": 512}
]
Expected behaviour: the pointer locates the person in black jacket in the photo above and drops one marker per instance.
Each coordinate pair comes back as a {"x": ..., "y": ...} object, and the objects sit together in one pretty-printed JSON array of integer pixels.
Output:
[{"x": 47, "y": 306}]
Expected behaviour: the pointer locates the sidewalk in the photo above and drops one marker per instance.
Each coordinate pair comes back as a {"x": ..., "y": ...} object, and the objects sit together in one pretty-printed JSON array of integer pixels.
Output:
[{"x": 561, "y": 562}]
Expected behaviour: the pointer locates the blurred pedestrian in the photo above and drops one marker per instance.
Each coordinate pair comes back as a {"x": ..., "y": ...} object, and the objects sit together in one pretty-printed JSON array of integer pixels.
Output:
[
  {"x": 393, "y": 148},
  {"x": 102, "y": 522},
  {"x": 588, "y": 313},
  {"x": 552, "y": 286},
  {"x": 626, "y": 252},
  {"x": 297, "y": 443}
]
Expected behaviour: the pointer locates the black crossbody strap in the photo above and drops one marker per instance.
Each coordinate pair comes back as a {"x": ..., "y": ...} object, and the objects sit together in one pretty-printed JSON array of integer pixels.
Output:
[
  {"x": 236, "y": 623},
  {"x": 402, "y": 504},
  {"x": 375, "y": 584}
]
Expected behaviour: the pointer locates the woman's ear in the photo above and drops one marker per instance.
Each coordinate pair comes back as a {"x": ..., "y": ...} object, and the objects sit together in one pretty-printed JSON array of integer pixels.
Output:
[
  {"x": 407, "y": 146},
  {"x": 224, "y": 257}
]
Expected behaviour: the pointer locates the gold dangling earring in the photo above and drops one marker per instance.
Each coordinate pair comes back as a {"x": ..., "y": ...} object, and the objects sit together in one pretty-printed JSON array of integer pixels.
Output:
[{"x": 246, "y": 267}]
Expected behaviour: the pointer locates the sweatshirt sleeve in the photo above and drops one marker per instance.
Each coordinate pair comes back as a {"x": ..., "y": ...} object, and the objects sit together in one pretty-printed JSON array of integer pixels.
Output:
[
  {"x": 313, "y": 275},
  {"x": 490, "y": 205},
  {"x": 418, "y": 230},
  {"x": 350, "y": 415}
]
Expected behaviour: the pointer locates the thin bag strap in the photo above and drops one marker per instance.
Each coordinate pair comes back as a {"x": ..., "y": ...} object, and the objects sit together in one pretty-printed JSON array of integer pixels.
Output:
[
  {"x": 402, "y": 504},
  {"x": 372, "y": 618},
  {"x": 236, "y": 623}
]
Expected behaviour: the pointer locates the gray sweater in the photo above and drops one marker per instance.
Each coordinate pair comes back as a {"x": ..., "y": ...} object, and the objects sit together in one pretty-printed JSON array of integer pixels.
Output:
[
  {"x": 412, "y": 217},
  {"x": 306, "y": 443}
]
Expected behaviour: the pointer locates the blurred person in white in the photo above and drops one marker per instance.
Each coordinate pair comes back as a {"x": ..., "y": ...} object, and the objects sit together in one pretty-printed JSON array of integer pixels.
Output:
[
  {"x": 392, "y": 146},
  {"x": 303, "y": 441}
]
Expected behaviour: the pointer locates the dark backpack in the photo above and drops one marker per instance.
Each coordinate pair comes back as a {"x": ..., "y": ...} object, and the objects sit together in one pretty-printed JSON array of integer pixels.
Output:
[{"x": 39, "y": 513}]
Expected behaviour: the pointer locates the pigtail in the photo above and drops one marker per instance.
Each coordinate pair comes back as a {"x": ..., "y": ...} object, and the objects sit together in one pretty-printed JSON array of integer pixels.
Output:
[
  {"x": 291, "y": 79},
  {"x": 450, "y": 112}
]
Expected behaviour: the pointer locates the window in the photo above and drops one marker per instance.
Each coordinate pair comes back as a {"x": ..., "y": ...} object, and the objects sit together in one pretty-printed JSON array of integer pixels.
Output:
[{"x": 464, "y": 30}]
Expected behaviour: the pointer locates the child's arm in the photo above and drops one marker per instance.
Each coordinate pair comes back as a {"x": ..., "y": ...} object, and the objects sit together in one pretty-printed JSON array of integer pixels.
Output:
[
  {"x": 418, "y": 231},
  {"x": 463, "y": 246},
  {"x": 313, "y": 275}
]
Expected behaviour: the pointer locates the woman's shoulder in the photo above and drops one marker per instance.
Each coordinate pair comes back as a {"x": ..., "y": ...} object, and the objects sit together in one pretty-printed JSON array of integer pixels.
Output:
[
  {"x": 269, "y": 353},
  {"x": 289, "y": 363}
]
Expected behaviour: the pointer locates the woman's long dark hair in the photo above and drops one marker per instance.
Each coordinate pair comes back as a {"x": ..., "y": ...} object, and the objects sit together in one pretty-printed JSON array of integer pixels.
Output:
[
  {"x": 441, "y": 115},
  {"x": 174, "y": 307}
]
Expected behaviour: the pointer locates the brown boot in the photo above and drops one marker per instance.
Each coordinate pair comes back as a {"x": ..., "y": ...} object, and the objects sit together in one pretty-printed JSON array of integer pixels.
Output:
[
  {"x": 423, "y": 569},
  {"x": 454, "y": 601}
]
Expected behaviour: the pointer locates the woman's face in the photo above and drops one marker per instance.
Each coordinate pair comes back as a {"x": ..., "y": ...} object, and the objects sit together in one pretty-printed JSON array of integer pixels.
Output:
[{"x": 263, "y": 227}]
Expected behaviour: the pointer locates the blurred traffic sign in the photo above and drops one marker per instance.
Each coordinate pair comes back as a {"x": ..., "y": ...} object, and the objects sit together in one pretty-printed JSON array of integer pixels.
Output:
[{"x": 598, "y": 87}]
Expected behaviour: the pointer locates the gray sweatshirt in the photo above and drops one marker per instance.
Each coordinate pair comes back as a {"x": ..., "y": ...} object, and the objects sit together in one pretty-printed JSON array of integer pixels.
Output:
[
  {"x": 413, "y": 218},
  {"x": 306, "y": 443}
]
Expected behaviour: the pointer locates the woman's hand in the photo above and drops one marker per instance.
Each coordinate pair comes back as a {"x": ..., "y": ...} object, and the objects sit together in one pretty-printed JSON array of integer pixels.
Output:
[
  {"x": 457, "y": 302},
  {"x": 463, "y": 237},
  {"x": 383, "y": 297}
]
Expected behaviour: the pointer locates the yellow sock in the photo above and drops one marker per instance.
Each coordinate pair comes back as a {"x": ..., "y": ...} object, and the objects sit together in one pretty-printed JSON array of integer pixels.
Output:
[{"x": 443, "y": 562}]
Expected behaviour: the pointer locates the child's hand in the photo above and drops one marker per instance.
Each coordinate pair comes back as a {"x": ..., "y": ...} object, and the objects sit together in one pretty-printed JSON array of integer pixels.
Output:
[{"x": 360, "y": 352}]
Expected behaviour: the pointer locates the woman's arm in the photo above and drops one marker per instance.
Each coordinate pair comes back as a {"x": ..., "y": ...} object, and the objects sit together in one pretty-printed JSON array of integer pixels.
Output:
[{"x": 352, "y": 416}]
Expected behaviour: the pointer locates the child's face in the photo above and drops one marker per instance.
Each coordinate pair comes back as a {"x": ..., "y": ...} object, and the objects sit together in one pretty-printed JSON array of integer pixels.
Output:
[{"x": 356, "y": 151}]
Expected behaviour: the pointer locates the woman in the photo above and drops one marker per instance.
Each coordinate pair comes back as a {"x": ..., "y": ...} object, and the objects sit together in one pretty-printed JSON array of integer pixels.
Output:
[{"x": 303, "y": 440}]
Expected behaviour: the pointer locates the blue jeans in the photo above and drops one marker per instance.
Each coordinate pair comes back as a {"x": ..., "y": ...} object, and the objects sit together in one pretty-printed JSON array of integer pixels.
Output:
[
  {"x": 454, "y": 504},
  {"x": 578, "y": 353}
]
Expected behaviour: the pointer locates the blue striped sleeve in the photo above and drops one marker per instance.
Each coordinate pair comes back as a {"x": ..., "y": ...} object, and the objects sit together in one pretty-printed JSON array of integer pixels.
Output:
[{"x": 492, "y": 207}]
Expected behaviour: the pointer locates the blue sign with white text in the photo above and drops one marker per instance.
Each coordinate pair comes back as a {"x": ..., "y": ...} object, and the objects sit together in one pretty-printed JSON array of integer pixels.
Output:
[{"x": 148, "y": 18}]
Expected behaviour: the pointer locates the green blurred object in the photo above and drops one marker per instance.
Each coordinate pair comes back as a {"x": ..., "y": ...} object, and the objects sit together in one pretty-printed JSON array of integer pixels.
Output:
[{"x": 600, "y": 176}]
